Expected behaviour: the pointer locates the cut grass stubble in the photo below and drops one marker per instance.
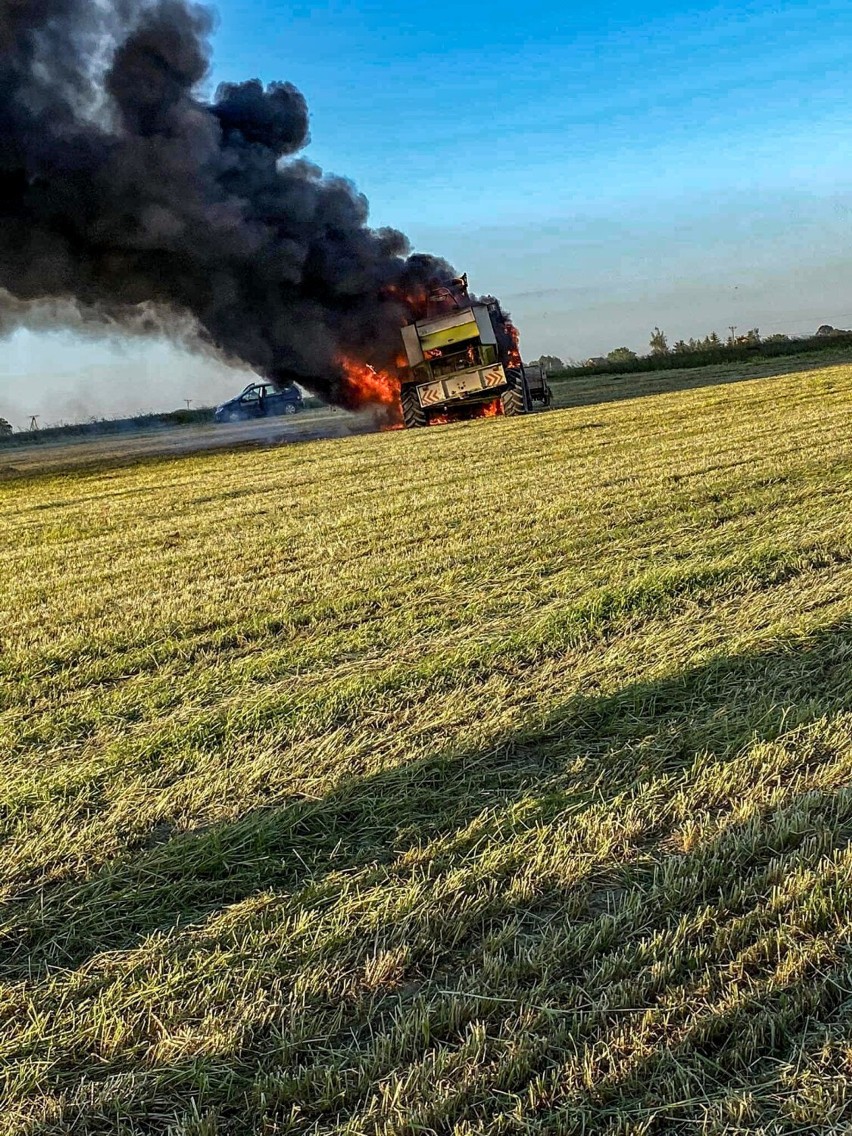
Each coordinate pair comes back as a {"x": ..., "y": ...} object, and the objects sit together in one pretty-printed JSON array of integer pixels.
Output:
[{"x": 488, "y": 779}]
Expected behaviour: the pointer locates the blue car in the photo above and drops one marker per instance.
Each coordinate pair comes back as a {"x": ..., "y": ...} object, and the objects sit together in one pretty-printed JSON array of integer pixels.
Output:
[{"x": 260, "y": 400}]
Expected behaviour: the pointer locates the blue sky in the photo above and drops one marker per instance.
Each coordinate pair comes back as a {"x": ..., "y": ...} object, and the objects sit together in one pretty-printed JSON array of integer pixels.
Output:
[{"x": 604, "y": 167}]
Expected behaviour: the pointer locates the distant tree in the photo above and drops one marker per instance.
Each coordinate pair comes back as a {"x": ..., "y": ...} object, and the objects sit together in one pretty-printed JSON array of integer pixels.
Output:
[
  {"x": 621, "y": 355},
  {"x": 681, "y": 347},
  {"x": 659, "y": 344},
  {"x": 550, "y": 363},
  {"x": 777, "y": 337},
  {"x": 5, "y": 428},
  {"x": 750, "y": 339},
  {"x": 711, "y": 342}
]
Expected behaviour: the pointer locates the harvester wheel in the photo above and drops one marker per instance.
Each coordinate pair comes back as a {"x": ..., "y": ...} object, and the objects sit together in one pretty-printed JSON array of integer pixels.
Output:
[
  {"x": 513, "y": 399},
  {"x": 413, "y": 413}
]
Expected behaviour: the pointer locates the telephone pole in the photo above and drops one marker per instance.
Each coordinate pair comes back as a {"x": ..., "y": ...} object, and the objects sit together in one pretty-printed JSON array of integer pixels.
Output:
[
  {"x": 34, "y": 422},
  {"x": 733, "y": 328}
]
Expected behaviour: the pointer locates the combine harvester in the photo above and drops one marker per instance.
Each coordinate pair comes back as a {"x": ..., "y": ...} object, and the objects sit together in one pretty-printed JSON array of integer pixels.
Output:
[{"x": 464, "y": 362}]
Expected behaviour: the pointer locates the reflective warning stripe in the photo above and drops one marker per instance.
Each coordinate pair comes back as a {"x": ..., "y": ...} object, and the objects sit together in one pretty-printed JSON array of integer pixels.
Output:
[
  {"x": 431, "y": 394},
  {"x": 494, "y": 376}
]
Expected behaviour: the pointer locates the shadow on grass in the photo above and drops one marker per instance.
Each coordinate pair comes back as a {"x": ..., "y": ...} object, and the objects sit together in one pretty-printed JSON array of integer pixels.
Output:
[
  {"x": 660, "y": 932},
  {"x": 591, "y": 750},
  {"x": 593, "y": 1020}
]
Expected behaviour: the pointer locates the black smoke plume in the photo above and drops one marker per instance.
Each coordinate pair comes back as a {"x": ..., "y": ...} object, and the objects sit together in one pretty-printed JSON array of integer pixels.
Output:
[{"x": 128, "y": 201}]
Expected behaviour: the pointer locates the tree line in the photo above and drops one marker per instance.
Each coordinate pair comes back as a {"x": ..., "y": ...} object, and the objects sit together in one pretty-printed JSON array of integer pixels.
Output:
[
  {"x": 659, "y": 344},
  {"x": 698, "y": 352}
]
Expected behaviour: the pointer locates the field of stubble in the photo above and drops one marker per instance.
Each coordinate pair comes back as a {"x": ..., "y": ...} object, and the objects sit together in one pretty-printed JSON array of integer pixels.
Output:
[{"x": 492, "y": 778}]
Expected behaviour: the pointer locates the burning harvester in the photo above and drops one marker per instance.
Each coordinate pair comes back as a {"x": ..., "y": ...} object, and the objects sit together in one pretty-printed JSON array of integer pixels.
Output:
[
  {"x": 132, "y": 203},
  {"x": 463, "y": 360}
]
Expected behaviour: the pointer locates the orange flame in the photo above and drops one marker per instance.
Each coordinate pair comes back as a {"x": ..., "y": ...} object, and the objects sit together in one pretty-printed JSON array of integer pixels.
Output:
[
  {"x": 491, "y": 409},
  {"x": 467, "y": 411},
  {"x": 363, "y": 384},
  {"x": 514, "y": 352},
  {"x": 363, "y": 387}
]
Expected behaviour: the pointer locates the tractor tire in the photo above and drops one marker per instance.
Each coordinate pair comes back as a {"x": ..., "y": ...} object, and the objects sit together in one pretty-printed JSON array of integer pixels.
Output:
[
  {"x": 513, "y": 399},
  {"x": 413, "y": 413}
]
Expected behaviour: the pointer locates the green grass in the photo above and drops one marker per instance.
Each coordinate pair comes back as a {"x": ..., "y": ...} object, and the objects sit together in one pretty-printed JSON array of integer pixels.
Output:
[{"x": 492, "y": 778}]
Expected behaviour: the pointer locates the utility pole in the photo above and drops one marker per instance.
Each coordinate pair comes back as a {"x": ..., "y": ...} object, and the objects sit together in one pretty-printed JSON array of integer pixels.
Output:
[
  {"x": 188, "y": 402},
  {"x": 34, "y": 422},
  {"x": 733, "y": 328}
]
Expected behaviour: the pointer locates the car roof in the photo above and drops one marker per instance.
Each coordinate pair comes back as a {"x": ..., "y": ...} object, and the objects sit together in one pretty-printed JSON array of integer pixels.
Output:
[{"x": 280, "y": 388}]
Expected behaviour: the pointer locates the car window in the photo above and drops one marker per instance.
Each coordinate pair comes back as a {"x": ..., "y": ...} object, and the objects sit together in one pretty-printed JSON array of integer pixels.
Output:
[{"x": 250, "y": 396}]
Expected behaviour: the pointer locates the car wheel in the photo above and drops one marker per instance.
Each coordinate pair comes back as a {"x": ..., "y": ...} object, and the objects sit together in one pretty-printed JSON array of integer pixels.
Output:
[{"x": 289, "y": 408}]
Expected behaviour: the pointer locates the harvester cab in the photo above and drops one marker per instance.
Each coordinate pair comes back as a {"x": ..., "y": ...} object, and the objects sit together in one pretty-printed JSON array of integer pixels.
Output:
[
  {"x": 463, "y": 360},
  {"x": 443, "y": 298}
]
